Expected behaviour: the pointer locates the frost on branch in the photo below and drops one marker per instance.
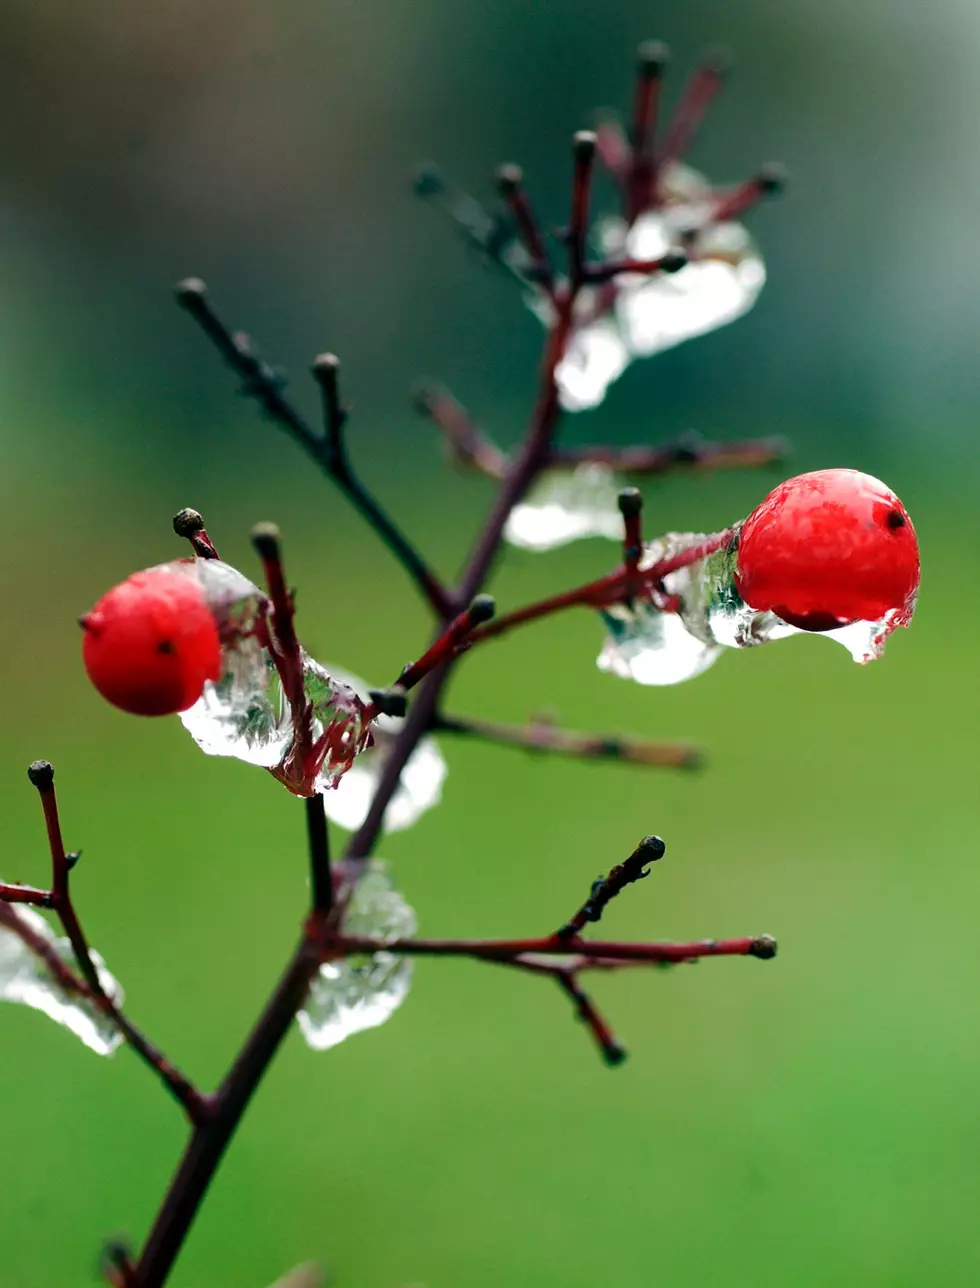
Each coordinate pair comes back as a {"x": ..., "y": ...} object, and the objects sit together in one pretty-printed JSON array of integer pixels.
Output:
[
  {"x": 26, "y": 978},
  {"x": 419, "y": 787},
  {"x": 355, "y": 993},
  {"x": 565, "y": 505}
]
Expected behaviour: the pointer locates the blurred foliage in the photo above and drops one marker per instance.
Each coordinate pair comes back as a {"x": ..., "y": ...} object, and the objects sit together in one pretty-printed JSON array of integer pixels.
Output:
[{"x": 808, "y": 1121}]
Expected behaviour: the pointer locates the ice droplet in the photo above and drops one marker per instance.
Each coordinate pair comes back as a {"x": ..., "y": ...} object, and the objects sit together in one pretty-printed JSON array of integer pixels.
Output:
[
  {"x": 358, "y": 993},
  {"x": 565, "y": 505},
  {"x": 643, "y": 314},
  {"x": 653, "y": 647},
  {"x": 245, "y": 713},
  {"x": 25, "y": 978}
]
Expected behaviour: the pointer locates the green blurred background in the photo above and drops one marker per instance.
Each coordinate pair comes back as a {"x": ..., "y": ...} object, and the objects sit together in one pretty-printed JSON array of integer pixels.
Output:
[{"x": 811, "y": 1121}]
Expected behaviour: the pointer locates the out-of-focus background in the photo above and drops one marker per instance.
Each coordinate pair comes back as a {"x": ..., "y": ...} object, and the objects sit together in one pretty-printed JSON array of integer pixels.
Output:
[{"x": 810, "y": 1121}]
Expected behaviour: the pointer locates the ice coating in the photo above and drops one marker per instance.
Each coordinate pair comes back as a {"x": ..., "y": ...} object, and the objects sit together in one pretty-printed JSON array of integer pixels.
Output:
[
  {"x": 657, "y": 648},
  {"x": 420, "y": 785},
  {"x": 245, "y": 714},
  {"x": 565, "y": 505},
  {"x": 645, "y": 314},
  {"x": 358, "y": 993},
  {"x": 26, "y": 979}
]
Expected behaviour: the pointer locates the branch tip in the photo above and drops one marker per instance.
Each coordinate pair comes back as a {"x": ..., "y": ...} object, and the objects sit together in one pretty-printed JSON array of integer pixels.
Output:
[
  {"x": 325, "y": 365},
  {"x": 190, "y": 291},
  {"x": 652, "y": 56},
  {"x": 41, "y": 774},
  {"x": 482, "y": 609},
  {"x": 718, "y": 59},
  {"x": 509, "y": 178},
  {"x": 772, "y": 178},
  {"x": 630, "y": 501},
  {"x": 265, "y": 540},
  {"x": 584, "y": 144},
  {"x": 673, "y": 261},
  {"x": 390, "y": 702},
  {"x": 188, "y": 522},
  {"x": 764, "y": 947}
]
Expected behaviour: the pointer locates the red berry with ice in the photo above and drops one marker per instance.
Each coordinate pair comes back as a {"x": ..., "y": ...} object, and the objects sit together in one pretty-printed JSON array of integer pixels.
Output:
[
  {"x": 151, "y": 643},
  {"x": 829, "y": 548}
]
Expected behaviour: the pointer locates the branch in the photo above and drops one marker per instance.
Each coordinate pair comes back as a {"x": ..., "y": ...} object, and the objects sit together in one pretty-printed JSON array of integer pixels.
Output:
[
  {"x": 696, "y": 97},
  {"x": 539, "y": 735},
  {"x": 183, "y": 1091},
  {"x": 690, "y": 450},
  {"x": 469, "y": 446},
  {"x": 266, "y": 385},
  {"x": 594, "y": 952},
  {"x": 651, "y": 59}
]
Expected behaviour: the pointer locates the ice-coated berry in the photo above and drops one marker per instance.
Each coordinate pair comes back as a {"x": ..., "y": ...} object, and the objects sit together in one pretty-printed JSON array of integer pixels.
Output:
[
  {"x": 826, "y": 549},
  {"x": 151, "y": 642}
]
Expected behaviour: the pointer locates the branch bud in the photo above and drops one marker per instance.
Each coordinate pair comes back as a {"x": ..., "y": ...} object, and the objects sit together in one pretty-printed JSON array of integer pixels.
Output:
[
  {"x": 482, "y": 608},
  {"x": 187, "y": 522},
  {"x": 630, "y": 502},
  {"x": 41, "y": 774},
  {"x": 265, "y": 540},
  {"x": 764, "y": 947}
]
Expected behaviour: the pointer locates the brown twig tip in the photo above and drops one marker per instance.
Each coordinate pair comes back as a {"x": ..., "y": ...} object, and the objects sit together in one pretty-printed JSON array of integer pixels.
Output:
[
  {"x": 116, "y": 1264},
  {"x": 390, "y": 702},
  {"x": 265, "y": 540},
  {"x": 509, "y": 178},
  {"x": 584, "y": 144},
  {"x": 630, "y": 501},
  {"x": 41, "y": 774},
  {"x": 482, "y": 609},
  {"x": 188, "y": 522},
  {"x": 764, "y": 947},
  {"x": 190, "y": 291},
  {"x": 651, "y": 57}
]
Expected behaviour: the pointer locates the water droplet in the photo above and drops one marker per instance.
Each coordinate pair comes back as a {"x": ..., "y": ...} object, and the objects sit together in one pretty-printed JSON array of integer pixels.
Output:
[
  {"x": 26, "y": 979},
  {"x": 565, "y": 505},
  {"x": 362, "y": 992},
  {"x": 653, "y": 647}
]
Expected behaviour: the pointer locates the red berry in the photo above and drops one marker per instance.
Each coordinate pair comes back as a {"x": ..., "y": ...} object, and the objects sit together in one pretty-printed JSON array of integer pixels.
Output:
[
  {"x": 828, "y": 548},
  {"x": 151, "y": 642}
]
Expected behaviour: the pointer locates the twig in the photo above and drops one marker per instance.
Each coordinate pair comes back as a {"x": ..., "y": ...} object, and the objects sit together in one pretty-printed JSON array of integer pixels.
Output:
[
  {"x": 651, "y": 59},
  {"x": 593, "y": 951},
  {"x": 690, "y": 450},
  {"x": 770, "y": 180},
  {"x": 510, "y": 184},
  {"x": 318, "y": 841},
  {"x": 539, "y": 735},
  {"x": 468, "y": 444},
  {"x": 696, "y": 98},
  {"x": 609, "y": 1048},
  {"x": 266, "y": 386},
  {"x": 650, "y": 849},
  {"x": 188, "y": 523}
]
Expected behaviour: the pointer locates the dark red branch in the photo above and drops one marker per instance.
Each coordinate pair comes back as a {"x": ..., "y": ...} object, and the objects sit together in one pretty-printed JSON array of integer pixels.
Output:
[
  {"x": 180, "y": 1087},
  {"x": 651, "y": 59},
  {"x": 609, "y": 1048},
  {"x": 696, "y": 97},
  {"x": 25, "y": 894},
  {"x": 592, "y": 951},
  {"x": 510, "y": 184},
  {"x": 266, "y": 386},
  {"x": 770, "y": 180},
  {"x": 583, "y": 153},
  {"x": 672, "y": 262}
]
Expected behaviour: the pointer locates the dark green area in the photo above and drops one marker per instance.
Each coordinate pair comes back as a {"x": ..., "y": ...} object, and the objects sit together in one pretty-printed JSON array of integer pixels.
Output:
[{"x": 807, "y": 1121}]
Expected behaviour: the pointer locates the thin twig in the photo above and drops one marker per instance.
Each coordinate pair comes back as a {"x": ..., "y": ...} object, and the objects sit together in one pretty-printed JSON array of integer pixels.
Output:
[
  {"x": 689, "y": 451},
  {"x": 542, "y": 736},
  {"x": 266, "y": 386},
  {"x": 468, "y": 444},
  {"x": 606, "y": 888},
  {"x": 593, "y": 951}
]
